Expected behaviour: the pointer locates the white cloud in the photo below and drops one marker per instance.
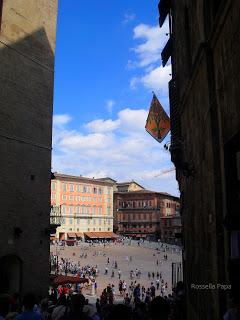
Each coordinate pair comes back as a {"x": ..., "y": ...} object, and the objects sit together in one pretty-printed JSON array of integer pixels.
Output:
[
  {"x": 154, "y": 39},
  {"x": 119, "y": 148},
  {"x": 128, "y": 17},
  {"x": 101, "y": 125},
  {"x": 61, "y": 120},
  {"x": 134, "y": 82},
  {"x": 157, "y": 79},
  {"x": 148, "y": 55},
  {"x": 77, "y": 141},
  {"x": 109, "y": 105},
  {"x": 132, "y": 121}
]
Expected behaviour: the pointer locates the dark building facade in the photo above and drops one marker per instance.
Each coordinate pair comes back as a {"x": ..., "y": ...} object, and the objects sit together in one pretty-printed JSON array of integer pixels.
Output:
[
  {"x": 27, "y": 45},
  {"x": 171, "y": 228},
  {"x": 204, "y": 93},
  {"x": 139, "y": 213}
]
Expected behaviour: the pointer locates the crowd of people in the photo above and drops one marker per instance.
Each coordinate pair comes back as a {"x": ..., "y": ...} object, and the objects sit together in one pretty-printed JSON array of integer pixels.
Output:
[{"x": 74, "y": 306}]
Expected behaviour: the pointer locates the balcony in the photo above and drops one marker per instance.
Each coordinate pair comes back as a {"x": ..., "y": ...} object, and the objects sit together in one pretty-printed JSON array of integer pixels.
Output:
[{"x": 55, "y": 218}]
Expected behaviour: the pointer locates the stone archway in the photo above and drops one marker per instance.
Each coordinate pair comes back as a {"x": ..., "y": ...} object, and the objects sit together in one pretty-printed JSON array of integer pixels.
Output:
[{"x": 10, "y": 274}]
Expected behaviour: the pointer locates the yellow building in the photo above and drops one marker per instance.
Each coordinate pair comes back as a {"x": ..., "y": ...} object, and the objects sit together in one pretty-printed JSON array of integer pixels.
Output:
[{"x": 86, "y": 207}]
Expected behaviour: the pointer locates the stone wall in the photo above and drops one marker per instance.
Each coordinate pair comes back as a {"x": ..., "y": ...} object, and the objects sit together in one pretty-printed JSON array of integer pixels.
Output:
[
  {"x": 206, "y": 67},
  {"x": 27, "y": 43}
]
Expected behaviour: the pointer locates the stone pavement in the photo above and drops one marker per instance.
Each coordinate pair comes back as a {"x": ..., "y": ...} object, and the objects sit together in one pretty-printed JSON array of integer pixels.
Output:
[{"x": 143, "y": 258}]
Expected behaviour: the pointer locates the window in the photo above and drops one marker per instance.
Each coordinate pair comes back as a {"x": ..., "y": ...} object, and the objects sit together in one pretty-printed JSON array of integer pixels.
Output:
[
  {"x": 71, "y": 187},
  {"x": 84, "y": 189},
  {"x": 78, "y": 220},
  {"x": 64, "y": 187},
  {"x": 88, "y": 221},
  {"x": 99, "y": 190},
  {"x": 63, "y": 209},
  {"x": 78, "y": 188},
  {"x": 70, "y": 229},
  {"x": 53, "y": 186},
  {"x": 100, "y": 210},
  {"x": 109, "y": 190},
  {"x": 94, "y": 210},
  {"x": 63, "y": 221},
  {"x": 94, "y": 221},
  {"x": 77, "y": 209},
  {"x": 64, "y": 197},
  {"x": 53, "y": 196},
  {"x": 88, "y": 189},
  {"x": 71, "y": 197},
  {"x": 109, "y": 222},
  {"x": 94, "y": 190},
  {"x": 99, "y": 229},
  {"x": 70, "y": 220},
  {"x": 108, "y": 210},
  {"x": 100, "y": 221},
  {"x": 108, "y": 229},
  {"x": 71, "y": 209}
]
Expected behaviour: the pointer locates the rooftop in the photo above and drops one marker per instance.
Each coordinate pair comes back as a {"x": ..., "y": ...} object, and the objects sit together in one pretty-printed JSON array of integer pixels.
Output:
[
  {"x": 149, "y": 191},
  {"x": 81, "y": 178},
  {"x": 127, "y": 183}
]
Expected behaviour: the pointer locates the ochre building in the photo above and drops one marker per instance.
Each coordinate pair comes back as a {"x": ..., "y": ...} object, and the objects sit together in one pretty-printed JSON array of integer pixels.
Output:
[{"x": 86, "y": 207}]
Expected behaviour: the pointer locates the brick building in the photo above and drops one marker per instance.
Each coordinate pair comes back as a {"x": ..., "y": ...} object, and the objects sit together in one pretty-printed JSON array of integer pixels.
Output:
[
  {"x": 139, "y": 213},
  {"x": 86, "y": 207},
  {"x": 171, "y": 227},
  {"x": 204, "y": 46},
  {"x": 27, "y": 44}
]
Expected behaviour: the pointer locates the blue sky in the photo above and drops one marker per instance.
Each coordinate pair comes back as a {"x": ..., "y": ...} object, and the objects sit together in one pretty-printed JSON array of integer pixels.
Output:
[{"x": 107, "y": 64}]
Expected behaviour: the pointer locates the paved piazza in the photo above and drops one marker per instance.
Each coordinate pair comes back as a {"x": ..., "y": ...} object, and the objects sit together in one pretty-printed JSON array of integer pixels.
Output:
[{"x": 143, "y": 258}]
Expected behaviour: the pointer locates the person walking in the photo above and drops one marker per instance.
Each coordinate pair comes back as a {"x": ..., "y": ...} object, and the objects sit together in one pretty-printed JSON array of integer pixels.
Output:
[
  {"x": 157, "y": 283},
  {"x": 119, "y": 274},
  {"x": 153, "y": 290},
  {"x": 120, "y": 287}
]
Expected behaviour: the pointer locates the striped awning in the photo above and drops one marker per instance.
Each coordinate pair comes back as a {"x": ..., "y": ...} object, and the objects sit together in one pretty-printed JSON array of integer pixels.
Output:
[
  {"x": 71, "y": 235},
  {"x": 79, "y": 234},
  {"x": 101, "y": 235}
]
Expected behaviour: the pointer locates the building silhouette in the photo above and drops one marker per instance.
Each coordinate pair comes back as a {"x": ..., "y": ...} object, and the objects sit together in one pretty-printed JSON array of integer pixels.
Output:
[
  {"x": 27, "y": 44},
  {"x": 204, "y": 48}
]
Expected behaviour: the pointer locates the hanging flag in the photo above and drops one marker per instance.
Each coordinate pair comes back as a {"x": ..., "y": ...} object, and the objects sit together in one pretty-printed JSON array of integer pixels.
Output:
[{"x": 158, "y": 122}]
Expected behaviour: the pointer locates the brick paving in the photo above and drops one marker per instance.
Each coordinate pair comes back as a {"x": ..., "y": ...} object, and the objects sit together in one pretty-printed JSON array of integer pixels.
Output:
[{"x": 143, "y": 258}]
